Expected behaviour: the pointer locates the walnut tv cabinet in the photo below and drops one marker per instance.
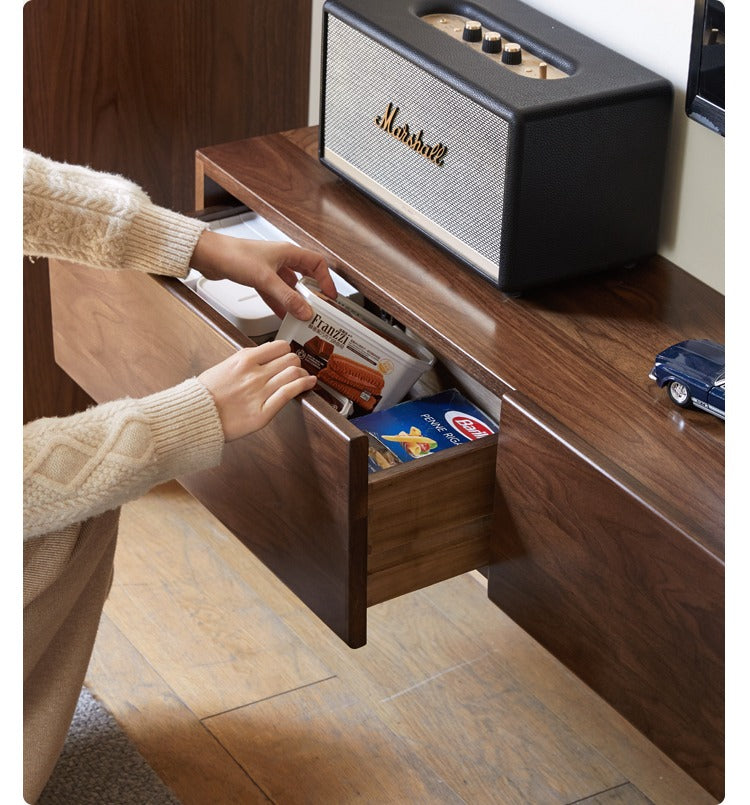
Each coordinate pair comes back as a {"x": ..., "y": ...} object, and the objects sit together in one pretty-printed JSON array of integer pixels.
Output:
[{"x": 597, "y": 513}]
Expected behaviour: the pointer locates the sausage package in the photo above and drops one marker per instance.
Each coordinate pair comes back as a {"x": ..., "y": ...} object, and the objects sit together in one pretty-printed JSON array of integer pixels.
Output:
[
  {"x": 417, "y": 428},
  {"x": 353, "y": 352}
]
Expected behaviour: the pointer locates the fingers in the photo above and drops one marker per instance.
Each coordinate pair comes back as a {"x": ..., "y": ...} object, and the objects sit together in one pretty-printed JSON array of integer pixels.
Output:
[
  {"x": 276, "y": 371},
  {"x": 288, "y": 390},
  {"x": 278, "y": 292},
  {"x": 268, "y": 266},
  {"x": 290, "y": 380},
  {"x": 277, "y": 366},
  {"x": 284, "y": 379},
  {"x": 308, "y": 264},
  {"x": 252, "y": 385},
  {"x": 313, "y": 265},
  {"x": 267, "y": 352}
]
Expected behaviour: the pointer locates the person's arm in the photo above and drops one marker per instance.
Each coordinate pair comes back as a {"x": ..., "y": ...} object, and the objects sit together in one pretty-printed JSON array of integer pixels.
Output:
[
  {"x": 101, "y": 220},
  {"x": 105, "y": 221},
  {"x": 78, "y": 466}
]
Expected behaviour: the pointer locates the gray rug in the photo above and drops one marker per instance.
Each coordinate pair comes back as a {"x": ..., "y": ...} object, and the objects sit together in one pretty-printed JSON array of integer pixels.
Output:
[{"x": 99, "y": 765}]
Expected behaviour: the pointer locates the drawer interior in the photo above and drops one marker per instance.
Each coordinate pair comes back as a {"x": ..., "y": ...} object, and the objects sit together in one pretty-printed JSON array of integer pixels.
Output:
[{"x": 430, "y": 519}]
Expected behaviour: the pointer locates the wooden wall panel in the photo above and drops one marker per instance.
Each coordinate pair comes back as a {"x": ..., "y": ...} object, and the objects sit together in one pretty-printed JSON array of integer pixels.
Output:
[{"x": 135, "y": 87}]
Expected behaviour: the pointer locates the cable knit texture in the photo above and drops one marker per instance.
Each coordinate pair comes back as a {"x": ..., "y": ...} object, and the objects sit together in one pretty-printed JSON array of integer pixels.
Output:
[
  {"x": 101, "y": 220},
  {"x": 80, "y": 466},
  {"x": 77, "y": 467}
]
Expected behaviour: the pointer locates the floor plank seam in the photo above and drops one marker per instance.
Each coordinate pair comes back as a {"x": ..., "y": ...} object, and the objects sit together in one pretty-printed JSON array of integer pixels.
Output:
[
  {"x": 572, "y": 724},
  {"x": 234, "y": 760},
  {"x": 266, "y": 698},
  {"x": 433, "y": 677},
  {"x": 609, "y": 790},
  {"x": 517, "y": 676}
]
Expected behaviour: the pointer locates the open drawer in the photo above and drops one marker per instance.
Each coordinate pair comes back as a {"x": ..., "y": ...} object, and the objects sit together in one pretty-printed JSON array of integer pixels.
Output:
[{"x": 297, "y": 493}]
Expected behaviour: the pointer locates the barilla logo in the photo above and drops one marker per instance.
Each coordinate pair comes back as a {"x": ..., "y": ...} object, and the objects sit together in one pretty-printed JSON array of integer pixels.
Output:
[{"x": 467, "y": 425}]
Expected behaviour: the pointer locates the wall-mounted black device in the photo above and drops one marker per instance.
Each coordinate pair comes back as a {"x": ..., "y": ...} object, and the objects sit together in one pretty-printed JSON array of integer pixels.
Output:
[
  {"x": 529, "y": 151},
  {"x": 704, "y": 100}
]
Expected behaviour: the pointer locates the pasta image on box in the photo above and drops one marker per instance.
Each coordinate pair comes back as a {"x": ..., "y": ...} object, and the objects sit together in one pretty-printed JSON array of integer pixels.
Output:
[
  {"x": 418, "y": 428},
  {"x": 353, "y": 352}
]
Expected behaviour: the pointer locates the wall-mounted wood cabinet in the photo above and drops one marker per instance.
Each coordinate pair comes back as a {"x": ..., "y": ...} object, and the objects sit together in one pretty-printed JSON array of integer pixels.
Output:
[{"x": 598, "y": 510}]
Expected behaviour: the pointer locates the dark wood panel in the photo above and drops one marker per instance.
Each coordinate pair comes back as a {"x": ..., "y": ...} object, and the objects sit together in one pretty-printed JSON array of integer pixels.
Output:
[
  {"x": 583, "y": 349},
  {"x": 621, "y": 595},
  {"x": 430, "y": 520},
  {"x": 47, "y": 390},
  {"x": 134, "y": 87},
  {"x": 617, "y": 481},
  {"x": 295, "y": 492}
]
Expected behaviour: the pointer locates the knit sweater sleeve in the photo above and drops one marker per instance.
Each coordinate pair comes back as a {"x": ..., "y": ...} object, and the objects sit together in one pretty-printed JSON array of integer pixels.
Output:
[
  {"x": 79, "y": 466},
  {"x": 101, "y": 220}
]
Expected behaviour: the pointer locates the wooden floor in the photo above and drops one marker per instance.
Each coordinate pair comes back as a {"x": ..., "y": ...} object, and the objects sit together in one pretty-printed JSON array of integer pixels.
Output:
[{"x": 235, "y": 693}]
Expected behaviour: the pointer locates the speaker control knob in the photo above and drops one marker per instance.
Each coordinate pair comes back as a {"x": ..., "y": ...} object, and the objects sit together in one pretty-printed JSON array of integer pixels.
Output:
[
  {"x": 492, "y": 42},
  {"x": 512, "y": 53},
  {"x": 472, "y": 31}
]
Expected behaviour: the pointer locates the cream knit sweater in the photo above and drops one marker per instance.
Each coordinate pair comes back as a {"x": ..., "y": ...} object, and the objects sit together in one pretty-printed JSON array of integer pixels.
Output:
[{"x": 80, "y": 466}]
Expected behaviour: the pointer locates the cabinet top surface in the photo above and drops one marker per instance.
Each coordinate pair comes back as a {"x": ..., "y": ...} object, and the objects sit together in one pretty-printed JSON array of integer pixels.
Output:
[{"x": 580, "y": 351}]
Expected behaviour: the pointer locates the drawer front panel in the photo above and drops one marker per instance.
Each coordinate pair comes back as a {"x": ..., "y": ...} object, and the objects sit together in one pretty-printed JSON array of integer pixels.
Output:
[
  {"x": 430, "y": 519},
  {"x": 589, "y": 567},
  {"x": 295, "y": 493}
]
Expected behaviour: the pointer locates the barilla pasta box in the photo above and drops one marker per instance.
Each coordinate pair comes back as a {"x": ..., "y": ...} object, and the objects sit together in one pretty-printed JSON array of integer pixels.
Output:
[
  {"x": 418, "y": 428},
  {"x": 353, "y": 352}
]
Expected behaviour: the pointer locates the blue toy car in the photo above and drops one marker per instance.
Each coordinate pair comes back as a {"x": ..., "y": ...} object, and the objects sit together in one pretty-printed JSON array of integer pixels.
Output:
[{"x": 693, "y": 372}]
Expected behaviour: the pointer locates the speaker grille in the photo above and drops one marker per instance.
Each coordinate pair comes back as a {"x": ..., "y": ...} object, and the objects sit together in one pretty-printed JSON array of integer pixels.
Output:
[{"x": 464, "y": 196}]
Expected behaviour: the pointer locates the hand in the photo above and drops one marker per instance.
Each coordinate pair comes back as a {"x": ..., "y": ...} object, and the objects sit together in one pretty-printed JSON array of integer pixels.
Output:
[
  {"x": 267, "y": 266},
  {"x": 252, "y": 386}
]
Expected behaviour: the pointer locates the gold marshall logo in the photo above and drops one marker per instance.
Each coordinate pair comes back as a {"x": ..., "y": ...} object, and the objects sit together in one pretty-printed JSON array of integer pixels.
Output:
[{"x": 434, "y": 153}]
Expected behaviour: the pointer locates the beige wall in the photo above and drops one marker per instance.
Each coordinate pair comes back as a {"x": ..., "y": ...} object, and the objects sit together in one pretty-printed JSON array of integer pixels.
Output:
[{"x": 692, "y": 229}]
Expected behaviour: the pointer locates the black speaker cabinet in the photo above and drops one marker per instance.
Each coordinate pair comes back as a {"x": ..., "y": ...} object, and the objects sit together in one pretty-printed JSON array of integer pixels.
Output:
[{"x": 529, "y": 151}]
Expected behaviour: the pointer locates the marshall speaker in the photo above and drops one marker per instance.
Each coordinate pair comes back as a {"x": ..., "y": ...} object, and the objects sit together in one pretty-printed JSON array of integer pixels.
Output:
[{"x": 529, "y": 151}]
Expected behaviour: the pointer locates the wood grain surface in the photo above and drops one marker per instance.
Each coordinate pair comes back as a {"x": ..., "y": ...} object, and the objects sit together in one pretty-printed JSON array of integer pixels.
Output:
[
  {"x": 580, "y": 352},
  {"x": 593, "y": 535},
  {"x": 297, "y": 493},
  {"x": 430, "y": 520},
  {"x": 294, "y": 492},
  {"x": 134, "y": 87},
  {"x": 642, "y": 604},
  {"x": 583, "y": 349},
  {"x": 450, "y": 701}
]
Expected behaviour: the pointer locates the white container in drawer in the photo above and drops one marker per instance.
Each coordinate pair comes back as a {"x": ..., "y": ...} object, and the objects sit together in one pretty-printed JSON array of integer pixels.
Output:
[
  {"x": 242, "y": 306},
  {"x": 248, "y": 225}
]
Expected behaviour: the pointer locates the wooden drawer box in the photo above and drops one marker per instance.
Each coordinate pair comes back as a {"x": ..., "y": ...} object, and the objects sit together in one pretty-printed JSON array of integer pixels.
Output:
[{"x": 297, "y": 493}]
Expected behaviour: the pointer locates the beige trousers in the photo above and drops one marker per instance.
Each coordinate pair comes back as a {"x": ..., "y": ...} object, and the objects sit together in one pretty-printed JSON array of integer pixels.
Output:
[{"x": 66, "y": 578}]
